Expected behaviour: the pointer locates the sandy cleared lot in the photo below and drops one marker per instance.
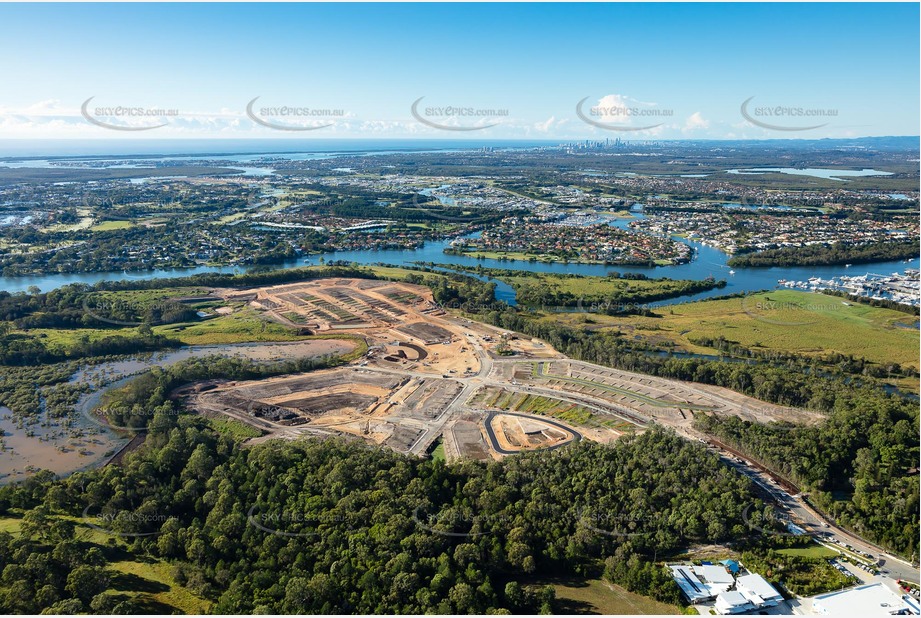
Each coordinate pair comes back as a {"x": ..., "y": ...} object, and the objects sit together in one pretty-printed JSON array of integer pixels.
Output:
[
  {"x": 382, "y": 407},
  {"x": 466, "y": 439},
  {"x": 403, "y": 326},
  {"x": 341, "y": 304},
  {"x": 515, "y": 433},
  {"x": 485, "y": 391}
]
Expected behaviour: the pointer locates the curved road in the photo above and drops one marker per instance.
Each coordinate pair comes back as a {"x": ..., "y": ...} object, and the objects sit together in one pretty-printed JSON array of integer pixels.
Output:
[{"x": 495, "y": 442}]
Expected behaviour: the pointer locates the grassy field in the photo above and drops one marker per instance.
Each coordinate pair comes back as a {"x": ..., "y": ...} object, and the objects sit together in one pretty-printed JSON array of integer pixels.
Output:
[
  {"x": 232, "y": 428},
  {"x": 106, "y": 226},
  {"x": 59, "y": 338},
  {"x": 392, "y": 272},
  {"x": 438, "y": 453},
  {"x": 784, "y": 321},
  {"x": 9, "y": 524},
  {"x": 86, "y": 220},
  {"x": 142, "y": 297},
  {"x": 523, "y": 257},
  {"x": 595, "y": 596},
  {"x": 154, "y": 583},
  {"x": 544, "y": 406},
  {"x": 619, "y": 214},
  {"x": 233, "y": 217},
  {"x": 591, "y": 287},
  {"x": 812, "y": 551},
  {"x": 243, "y": 325}
]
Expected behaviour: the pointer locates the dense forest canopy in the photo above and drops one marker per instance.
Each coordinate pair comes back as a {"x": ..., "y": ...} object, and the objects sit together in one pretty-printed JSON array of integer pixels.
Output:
[
  {"x": 366, "y": 530},
  {"x": 861, "y": 462}
]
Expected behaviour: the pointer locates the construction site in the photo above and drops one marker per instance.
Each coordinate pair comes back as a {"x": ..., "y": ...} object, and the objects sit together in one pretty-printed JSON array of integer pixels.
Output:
[
  {"x": 641, "y": 398},
  {"x": 341, "y": 304},
  {"x": 403, "y": 326},
  {"x": 430, "y": 377},
  {"x": 512, "y": 433},
  {"x": 382, "y": 407}
]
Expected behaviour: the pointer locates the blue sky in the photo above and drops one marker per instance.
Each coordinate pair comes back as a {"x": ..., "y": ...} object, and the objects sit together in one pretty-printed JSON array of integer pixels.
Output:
[{"x": 683, "y": 70}]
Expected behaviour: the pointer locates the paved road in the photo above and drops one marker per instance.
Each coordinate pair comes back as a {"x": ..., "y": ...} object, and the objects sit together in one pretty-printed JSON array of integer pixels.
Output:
[
  {"x": 456, "y": 407},
  {"x": 473, "y": 383},
  {"x": 815, "y": 524},
  {"x": 618, "y": 391}
]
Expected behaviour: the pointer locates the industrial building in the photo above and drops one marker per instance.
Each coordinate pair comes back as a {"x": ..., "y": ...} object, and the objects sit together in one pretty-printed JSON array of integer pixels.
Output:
[
  {"x": 716, "y": 577},
  {"x": 757, "y": 590},
  {"x": 702, "y": 582},
  {"x": 694, "y": 590},
  {"x": 733, "y": 595},
  {"x": 732, "y": 602},
  {"x": 869, "y": 600}
]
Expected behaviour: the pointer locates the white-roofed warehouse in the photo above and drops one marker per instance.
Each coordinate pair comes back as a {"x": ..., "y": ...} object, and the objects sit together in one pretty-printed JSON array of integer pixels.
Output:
[
  {"x": 717, "y": 578},
  {"x": 757, "y": 590},
  {"x": 869, "y": 600},
  {"x": 694, "y": 589},
  {"x": 732, "y": 602}
]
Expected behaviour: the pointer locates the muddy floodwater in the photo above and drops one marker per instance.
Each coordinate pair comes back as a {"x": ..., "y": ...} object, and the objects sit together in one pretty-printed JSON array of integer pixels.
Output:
[
  {"x": 87, "y": 442},
  {"x": 29, "y": 448}
]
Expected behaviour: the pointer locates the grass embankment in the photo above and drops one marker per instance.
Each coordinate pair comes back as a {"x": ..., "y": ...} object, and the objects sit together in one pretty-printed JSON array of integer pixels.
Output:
[
  {"x": 592, "y": 290},
  {"x": 394, "y": 272},
  {"x": 438, "y": 453},
  {"x": 810, "y": 551},
  {"x": 574, "y": 414},
  {"x": 241, "y": 326}
]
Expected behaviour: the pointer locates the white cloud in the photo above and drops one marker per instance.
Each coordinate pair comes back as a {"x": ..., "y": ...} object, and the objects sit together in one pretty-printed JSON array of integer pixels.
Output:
[
  {"x": 546, "y": 125},
  {"x": 695, "y": 121},
  {"x": 620, "y": 109}
]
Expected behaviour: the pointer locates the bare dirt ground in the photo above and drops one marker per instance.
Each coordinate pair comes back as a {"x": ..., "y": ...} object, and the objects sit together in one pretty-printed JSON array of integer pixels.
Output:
[
  {"x": 466, "y": 439},
  {"x": 429, "y": 388},
  {"x": 401, "y": 322},
  {"x": 381, "y": 407},
  {"x": 342, "y": 304},
  {"x": 518, "y": 434},
  {"x": 424, "y": 369}
]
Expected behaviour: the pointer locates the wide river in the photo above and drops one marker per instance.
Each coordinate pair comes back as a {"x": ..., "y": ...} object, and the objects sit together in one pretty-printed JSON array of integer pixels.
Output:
[{"x": 707, "y": 262}]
